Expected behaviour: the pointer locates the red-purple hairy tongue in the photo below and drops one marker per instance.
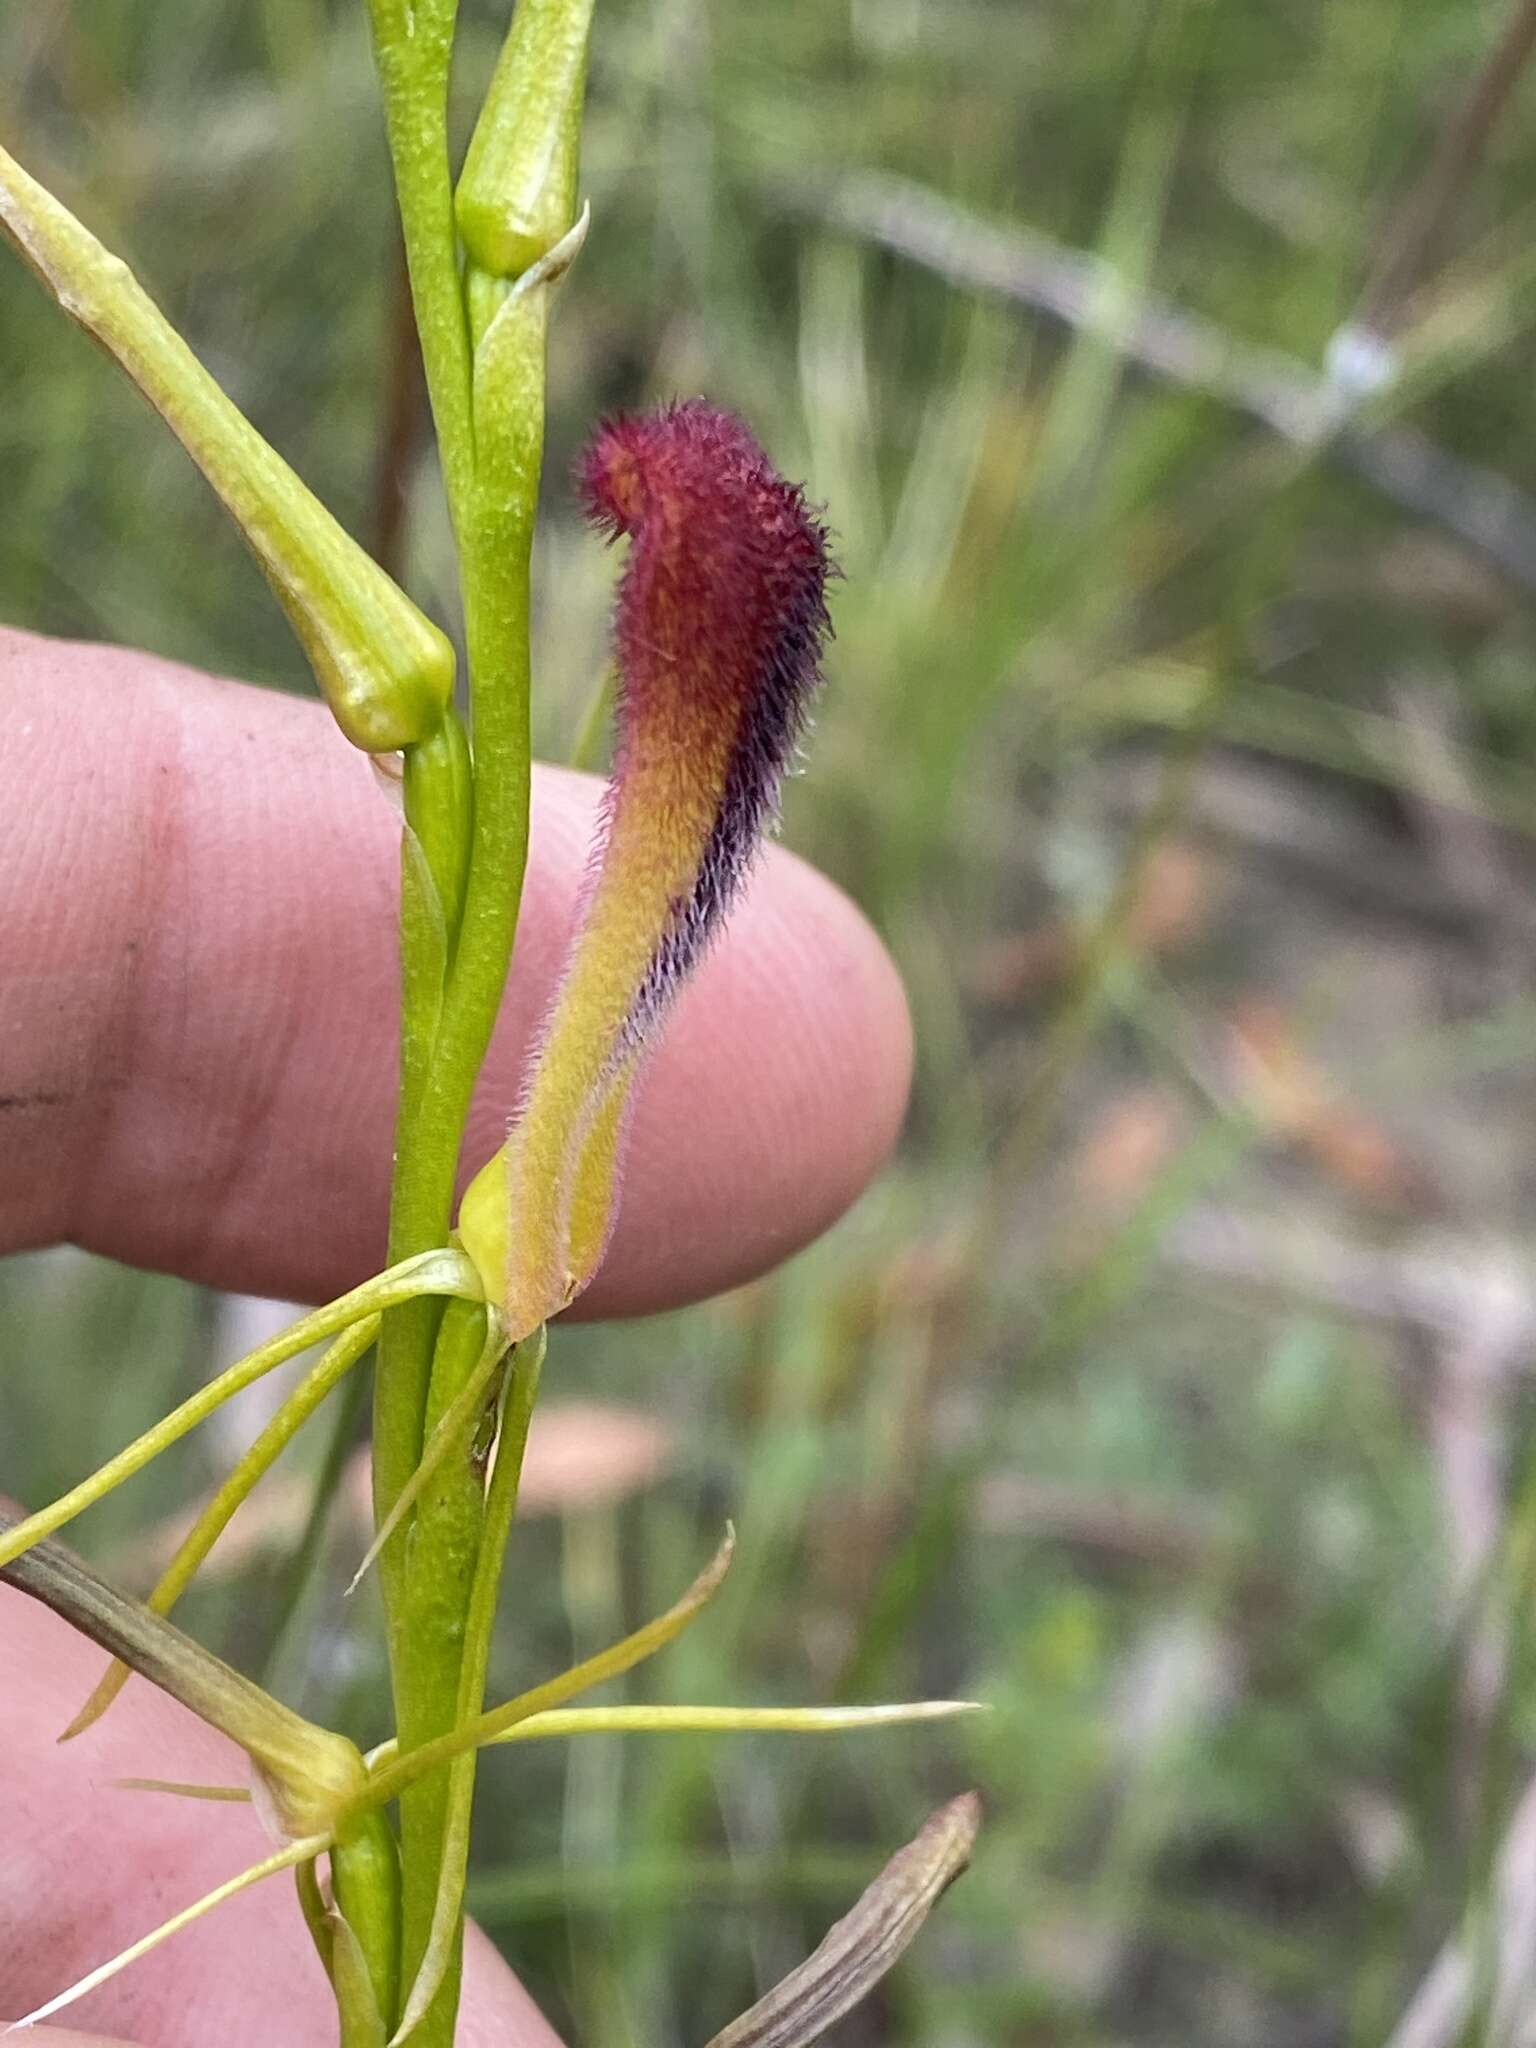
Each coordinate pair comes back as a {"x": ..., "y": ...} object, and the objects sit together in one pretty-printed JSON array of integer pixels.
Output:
[{"x": 718, "y": 636}]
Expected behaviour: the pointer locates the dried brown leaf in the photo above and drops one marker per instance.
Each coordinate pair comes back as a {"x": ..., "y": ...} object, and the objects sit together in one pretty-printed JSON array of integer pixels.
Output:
[{"x": 864, "y": 1944}]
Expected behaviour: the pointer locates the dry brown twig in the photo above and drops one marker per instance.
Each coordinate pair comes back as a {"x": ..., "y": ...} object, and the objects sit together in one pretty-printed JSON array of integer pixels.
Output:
[{"x": 1482, "y": 509}]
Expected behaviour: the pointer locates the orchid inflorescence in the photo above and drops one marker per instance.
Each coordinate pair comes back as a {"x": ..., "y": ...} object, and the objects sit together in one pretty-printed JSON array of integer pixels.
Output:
[{"x": 718, "y": 635}]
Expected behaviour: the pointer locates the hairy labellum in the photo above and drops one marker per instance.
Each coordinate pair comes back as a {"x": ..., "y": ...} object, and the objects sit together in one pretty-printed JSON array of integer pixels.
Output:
[{"x": 718, "y": 636}]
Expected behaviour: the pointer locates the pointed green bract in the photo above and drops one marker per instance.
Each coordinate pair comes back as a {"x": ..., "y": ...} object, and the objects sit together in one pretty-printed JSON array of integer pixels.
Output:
[
  {"x": 684, "y": 1720},
  {"x": 296, "y": 1853},
  {"x": 441, "y": 1272},
  {"x": 215, "y": 1518},
  {"x": 390, "y": 1774}
]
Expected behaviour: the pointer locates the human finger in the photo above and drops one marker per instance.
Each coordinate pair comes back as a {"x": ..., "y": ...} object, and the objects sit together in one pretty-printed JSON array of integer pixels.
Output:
[{"x": 198, "y": 1062}]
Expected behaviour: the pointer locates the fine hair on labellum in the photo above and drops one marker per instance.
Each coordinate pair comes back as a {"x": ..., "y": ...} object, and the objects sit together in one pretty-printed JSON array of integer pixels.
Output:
[
  {"x": 719, "y": 626},
  {"x": 719, "y": 629}
]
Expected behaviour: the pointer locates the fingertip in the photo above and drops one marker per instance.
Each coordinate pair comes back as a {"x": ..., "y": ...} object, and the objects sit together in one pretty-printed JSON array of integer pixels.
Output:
[
  {"x": 66, "y": 2037},
  {"x": 201, "y": 1071},
  {"x": 496, "y": 2011}
]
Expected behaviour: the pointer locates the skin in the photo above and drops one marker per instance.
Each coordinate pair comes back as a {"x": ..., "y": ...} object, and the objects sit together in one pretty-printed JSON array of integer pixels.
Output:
[{"x": 196, "y": 1074}]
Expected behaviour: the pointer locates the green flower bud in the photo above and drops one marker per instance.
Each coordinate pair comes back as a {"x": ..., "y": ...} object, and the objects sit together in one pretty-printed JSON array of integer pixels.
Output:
[
  {"x": 517, "y": 192},
  {"x": 383, "y": 667}
]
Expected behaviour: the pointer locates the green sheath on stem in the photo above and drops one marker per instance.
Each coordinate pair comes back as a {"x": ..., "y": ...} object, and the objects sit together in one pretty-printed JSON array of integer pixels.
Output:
[
  {"x": 365, "y": 1874},
  {"x": 444, "y": 1544},
  {"x": 440, "y": 1957}
]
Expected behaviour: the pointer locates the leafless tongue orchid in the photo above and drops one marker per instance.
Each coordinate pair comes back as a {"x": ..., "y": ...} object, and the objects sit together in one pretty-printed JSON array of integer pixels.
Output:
[{"x": 718, "y": 637}]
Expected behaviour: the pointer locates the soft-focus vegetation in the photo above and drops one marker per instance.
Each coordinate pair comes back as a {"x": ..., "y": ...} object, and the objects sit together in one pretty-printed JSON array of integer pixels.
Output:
[{"x": 1172, "y": 1391}]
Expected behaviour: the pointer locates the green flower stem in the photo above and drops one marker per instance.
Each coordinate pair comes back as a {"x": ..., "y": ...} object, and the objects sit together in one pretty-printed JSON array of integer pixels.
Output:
[
  {"x": 434, "y": 1995},
  {"x": 413, "y": 47},
  {"x": 488, "y": 399},
  {"x": 497, "y": 550},
  {"x": 425, "y": 1649},
  {"x": 427, "y": 1615}
]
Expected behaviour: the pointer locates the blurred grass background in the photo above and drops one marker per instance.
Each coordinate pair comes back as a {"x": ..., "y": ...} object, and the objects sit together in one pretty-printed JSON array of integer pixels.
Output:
[{"x": 1172, "y": 1391}]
